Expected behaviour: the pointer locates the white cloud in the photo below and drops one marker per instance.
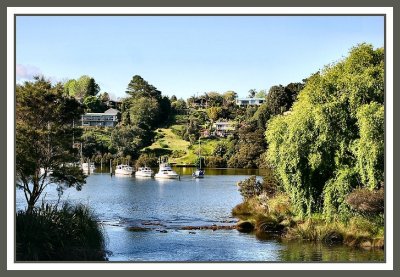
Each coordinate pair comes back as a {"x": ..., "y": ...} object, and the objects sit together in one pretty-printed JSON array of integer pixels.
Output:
[{"x": 27, "y": 72}]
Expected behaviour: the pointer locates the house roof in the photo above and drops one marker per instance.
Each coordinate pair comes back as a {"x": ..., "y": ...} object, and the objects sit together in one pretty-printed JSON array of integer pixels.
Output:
[
  {"x": 247, "y": 99},
  {"x": 112, "y": 111},
  {"x": 108, "y": 112}
]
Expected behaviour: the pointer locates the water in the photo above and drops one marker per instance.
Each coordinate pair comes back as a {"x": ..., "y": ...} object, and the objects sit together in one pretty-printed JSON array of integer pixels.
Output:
[{"x": 164, "y": 207}]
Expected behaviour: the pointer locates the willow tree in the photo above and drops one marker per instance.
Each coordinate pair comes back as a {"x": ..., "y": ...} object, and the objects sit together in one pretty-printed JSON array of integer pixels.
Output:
[
  {"x": 332, "y": 141},
  {"x": 44, "y": 139}
]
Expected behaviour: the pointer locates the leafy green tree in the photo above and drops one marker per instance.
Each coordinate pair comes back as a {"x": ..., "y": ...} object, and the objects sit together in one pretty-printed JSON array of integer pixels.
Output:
[
  {"x": 138, "y": 87},
  {"x": 261, "y": 94},
  {"x": 93, "y": 104},
  {"x": 104, "y": 97},
  {"x": 278, "y": 100},
  {"x": 81, "y": 88},
  {"x": 143, "y": 113},
  {"x": 214, "y": 113},
  {"x": 44, "y": 139},
  {"x": 249, "y": 147},
  {"x": 369, "y": 149},
  {"x": 332, "y": 141},
  {"x": 127, "y": 140}
]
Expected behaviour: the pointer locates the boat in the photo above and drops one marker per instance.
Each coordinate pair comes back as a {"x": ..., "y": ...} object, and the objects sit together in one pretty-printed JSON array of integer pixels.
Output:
[
  {"x": 88, "y": 167},
  {"x": 166, "y": 172},
  {"x": 199, "y": 173},
  {"x": 144, "y": 172},
  {"x": 124, "y": 169}
]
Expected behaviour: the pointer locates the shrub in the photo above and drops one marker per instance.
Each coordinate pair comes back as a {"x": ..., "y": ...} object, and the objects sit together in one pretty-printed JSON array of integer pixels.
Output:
[
  {"x": 250, "y": 187},
  {"x": 215, "y": 162},
  {"x": 66, "y": 234},
  {"x": 147, "y": 160},
  {"x": 366, "y": 201}
]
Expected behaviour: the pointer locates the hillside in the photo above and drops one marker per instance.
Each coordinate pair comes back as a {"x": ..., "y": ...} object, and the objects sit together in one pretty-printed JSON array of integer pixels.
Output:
[{"x": 180, "y": 151}]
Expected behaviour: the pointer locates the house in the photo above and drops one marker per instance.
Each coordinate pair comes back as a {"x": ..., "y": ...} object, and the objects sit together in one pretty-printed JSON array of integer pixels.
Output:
[
  {"x": 222, "y": 128},
  {"x": 249, "y": 101},
  {"x": 114, "y": 104},
  {"x": 107, "y": 119}
]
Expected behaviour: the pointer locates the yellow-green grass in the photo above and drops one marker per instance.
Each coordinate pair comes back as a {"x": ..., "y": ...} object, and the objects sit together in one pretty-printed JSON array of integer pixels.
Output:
[{"x": 185, "y": 154}]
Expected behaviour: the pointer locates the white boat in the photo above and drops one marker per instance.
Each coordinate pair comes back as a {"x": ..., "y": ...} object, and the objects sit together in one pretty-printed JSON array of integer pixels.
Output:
[
  {"x": 144, "y": 172},
  {"x": 166, "y": 172},
  {"x": 124, "y": 169},
  {"x": 199, "y": 173},
  {"x": 86, "y": 167}
]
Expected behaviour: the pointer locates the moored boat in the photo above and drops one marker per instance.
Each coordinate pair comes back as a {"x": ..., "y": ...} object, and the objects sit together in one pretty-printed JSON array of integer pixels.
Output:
[
  {"x": 88, "y": 167},
  {"x": 166, "y": 172},
  {"x": 144, "y": 172},
  {"x": 124, "y": 169}
]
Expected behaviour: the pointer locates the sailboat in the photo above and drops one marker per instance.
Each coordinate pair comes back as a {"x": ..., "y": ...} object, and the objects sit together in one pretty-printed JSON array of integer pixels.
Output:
[{"x": 199, "y": 173}]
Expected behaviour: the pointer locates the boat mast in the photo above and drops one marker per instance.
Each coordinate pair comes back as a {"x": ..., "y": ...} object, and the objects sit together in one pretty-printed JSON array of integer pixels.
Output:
[{"x": 199, "y": 154}]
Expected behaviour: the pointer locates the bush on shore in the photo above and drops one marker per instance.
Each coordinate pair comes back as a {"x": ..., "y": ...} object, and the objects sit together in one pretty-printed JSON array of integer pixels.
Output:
[
  {"x": 49, "y": 233},
  {"x": 271, "y": 212}
]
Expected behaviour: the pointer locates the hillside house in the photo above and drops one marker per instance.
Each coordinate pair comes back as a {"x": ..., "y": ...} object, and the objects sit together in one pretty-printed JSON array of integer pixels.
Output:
[
  {"x": 107, "y": 119},
  {"x": 249, "y": 101},
  {"x": 222, "y": 129}
]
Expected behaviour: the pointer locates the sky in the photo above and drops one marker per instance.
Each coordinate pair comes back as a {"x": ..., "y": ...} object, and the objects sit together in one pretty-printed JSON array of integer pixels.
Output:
[{"x": 188, "y": 55}]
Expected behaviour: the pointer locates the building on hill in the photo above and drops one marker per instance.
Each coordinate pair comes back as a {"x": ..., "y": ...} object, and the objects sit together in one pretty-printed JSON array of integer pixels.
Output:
[
  {"x": 222, "y": 128},
  {"x": 107, "y": 119},
  {"x": 249, "y": 101},
  {"x": 114, "y": 104}
]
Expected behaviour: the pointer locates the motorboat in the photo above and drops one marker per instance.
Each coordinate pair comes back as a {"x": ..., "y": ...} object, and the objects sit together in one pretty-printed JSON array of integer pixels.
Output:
[
  {"x": 166, "y": 172},
  {"x": 144, "y": 172},
  {"x": 88, "y": 167},
  {"x": 199, "y": 173},
  {"x": 124, "y": 169}
]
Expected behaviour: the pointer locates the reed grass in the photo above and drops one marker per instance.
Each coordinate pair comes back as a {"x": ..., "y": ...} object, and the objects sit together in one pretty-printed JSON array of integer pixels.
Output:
[{"x": 49, "y": 233}]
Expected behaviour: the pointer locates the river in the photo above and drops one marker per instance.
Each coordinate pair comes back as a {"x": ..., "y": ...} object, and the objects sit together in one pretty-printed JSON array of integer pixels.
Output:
[{"x": 163, "y": 207}]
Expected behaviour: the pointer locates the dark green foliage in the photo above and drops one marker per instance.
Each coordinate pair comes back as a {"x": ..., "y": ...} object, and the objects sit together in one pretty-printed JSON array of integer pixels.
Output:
[
  {"x": 250, "y": 146},
  {"x": 129, "y": 140},
  {"x": 149, "y": 160},
  {"x": 66, "y": 234},
  {"x": 93, "y": 104},
  {"x": 138, "y": 87},
  {"x": 215, "y": 162}
]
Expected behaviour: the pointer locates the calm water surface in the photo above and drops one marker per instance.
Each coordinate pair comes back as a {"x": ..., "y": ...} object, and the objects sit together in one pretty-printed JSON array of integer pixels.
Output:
[{"x": 163, "y": 207}]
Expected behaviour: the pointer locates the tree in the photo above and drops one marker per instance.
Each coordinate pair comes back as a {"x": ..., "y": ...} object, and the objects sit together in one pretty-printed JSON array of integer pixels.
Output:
[
  {"x": 138, "y": 87},
  {"x": 81, "y": 88},
  {"x": 278, "y": 100},
  {"x": 144, "y": 113},
  {"x": 214, "y": 113},
  {"x": 127, "y": 140},
  {"x": 44, "y": 139},
  {"x": 252, "y": 93},
  {"x": 104, "y": 97},
  {"x": 93, "y": 104},
  {"x": 261, "y": 94},
  {"x": 333, "y": 141}
]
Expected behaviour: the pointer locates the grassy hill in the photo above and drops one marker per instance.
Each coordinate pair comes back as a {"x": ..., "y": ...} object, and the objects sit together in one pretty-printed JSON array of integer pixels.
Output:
[{"x": 180, "y": 151}]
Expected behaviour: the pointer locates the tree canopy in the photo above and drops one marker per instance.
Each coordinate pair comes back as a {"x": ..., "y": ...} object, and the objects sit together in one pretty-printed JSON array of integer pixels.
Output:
[
  {"x": 332, "y": 141},
  {"x": 44, "y": 138}
]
